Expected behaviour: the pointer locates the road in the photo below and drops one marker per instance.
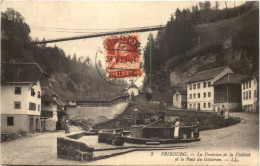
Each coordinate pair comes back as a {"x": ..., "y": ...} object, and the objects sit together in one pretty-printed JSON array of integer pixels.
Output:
[{"x": 41, "y": 148}]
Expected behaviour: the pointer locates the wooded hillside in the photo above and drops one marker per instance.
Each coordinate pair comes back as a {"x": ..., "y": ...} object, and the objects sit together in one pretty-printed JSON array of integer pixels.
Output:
[
  {"x": 204, "y": 37},
  {"x": 70, "y": 76}
]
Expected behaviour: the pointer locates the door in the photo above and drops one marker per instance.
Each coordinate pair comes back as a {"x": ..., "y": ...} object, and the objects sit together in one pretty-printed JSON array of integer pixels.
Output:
[
  {"x": 43, "y": 125},
  {"x": 31, "y": 125},
  {"x": 37, "y": 125}
]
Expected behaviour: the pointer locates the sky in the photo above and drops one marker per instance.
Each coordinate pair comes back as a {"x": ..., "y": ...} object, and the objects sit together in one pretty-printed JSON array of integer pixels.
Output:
[{"x": 49, "y": 20}]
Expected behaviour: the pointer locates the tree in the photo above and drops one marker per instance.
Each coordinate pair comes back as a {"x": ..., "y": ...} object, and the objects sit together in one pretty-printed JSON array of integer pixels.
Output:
[
  {"x": 17, "y": 28},
  {"x": 74, "y": 57},
  {"x": 226, "y": 4},
  {"x": 87, "y": 60},
  {"x": 43, "y": 45},
  {"x": 177, "y": 14},
  {"x": 217, "y": 4},
  {"x": 148, "y": 97},
  {"x": 132, "y": 96},
  {"x": 15, "y": 35},
  {"x": 201, "y": 5},
  {"x": 207, "y": 5}
]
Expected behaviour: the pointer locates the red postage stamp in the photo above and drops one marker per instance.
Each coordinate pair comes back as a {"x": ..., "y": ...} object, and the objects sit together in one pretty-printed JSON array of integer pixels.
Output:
[
  {"x": 120, "y": 62},
  {"x": 122, "y": 56}
]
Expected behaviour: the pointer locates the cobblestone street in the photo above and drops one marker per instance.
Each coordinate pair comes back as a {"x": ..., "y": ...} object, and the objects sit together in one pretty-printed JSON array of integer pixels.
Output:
[{"x": 41, "y": 148}]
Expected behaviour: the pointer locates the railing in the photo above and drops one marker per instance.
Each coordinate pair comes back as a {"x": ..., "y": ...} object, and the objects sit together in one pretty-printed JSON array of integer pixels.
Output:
[
  {"x": 107, "y": 103},
  {"x": 82, "y": 125},
  {"x": 143, "y": 128}
]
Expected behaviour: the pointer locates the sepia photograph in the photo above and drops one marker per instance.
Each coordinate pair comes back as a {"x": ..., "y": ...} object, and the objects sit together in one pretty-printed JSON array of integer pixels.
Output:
[{"x": 129, "y": 83}]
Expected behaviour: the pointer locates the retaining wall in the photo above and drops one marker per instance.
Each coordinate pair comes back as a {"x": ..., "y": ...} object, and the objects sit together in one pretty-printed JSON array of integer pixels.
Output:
[
  {"x": 70, "y": 148},
  {"x": 208, "y": 120}
]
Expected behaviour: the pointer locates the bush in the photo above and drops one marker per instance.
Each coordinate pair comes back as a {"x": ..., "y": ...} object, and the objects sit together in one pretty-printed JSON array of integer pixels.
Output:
[{"x": 5, "y": 137}]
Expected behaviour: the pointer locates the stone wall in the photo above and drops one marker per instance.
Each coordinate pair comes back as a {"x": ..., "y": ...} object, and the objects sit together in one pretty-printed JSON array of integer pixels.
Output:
[
  {"x": 73, "y": 149},
  {"x": 94, "y": 115},
  {"x": 76, "y": 135},
  {"x": 208, "y": 120}
]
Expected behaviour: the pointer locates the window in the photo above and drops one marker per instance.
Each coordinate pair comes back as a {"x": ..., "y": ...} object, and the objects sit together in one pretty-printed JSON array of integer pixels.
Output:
[
  {"x": 190, "y": 106},
  {"x": 254, "y": 93},
  {"x": 194, "y": 95},
  {"x": 198, "y": 95},
  {"x": 190, "y": 87},
  {"x": 209, "y": 84},
  {"x": 177, "y": 97},
  {"x": 17, "y": 105},
  {"x": 32, "y": 92},
  {"x": 204, "y": 105},
  {"x": 39, "y": 106},
  {"x": 190, "y": 96},
  {"x": 249, "y": 84},
  {"x": 209, "y": 94},
  {"x": 208, "y": 105},
  {"x": 198, "y": 85},
  {"x": 10, "y": 121},
  {"x": 194, "y": 106},
  {"x": 32, "y": 106},
  {"x": 47, "y": 114},
  {"x": 17, "y": 90},
  {"x": 46, "y": 103},
  {"x": 243, "y": 86},
  {"x": 194, "y": 86},
  {"x": 244, "y": 95},
  {"x": 204, "y": 94},
  {"x": 249, "y": 96},
  {"x": 38, "y": 94},
  {"x": 246, "y": 85},
  {"x": 204, "y": 84}
]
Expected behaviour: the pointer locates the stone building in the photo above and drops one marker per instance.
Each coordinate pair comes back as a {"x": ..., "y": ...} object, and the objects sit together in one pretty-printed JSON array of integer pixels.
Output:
[
  {"x": 249, "y": 93},
  {"x": 200, "y": 92},
  {"x": 21, "y": 97},
  {"x": 179, "y": 98},
  {"x": 53, "y": 107}
]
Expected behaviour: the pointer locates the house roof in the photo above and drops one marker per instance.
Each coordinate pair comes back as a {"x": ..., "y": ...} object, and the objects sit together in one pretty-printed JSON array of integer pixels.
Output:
[
  {"x": 182, "y": 91},
  {"x": 206, "y": 74},
  {"x": 230, "y": 78},
  {"x": 21, "y": 72},
  {"x": 251, "y": 78},
  {"x": 49, "y": 94}
]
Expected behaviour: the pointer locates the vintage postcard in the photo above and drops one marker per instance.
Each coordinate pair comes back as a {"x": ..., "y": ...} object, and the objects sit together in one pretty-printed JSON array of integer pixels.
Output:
[{"x": 130, "y": 83}]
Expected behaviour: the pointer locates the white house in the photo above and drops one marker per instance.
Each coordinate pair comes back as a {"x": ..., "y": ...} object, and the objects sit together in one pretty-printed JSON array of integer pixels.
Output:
[
  {"x": 179, "y": 98},
  {"x": 52, "y": 104},
  {"x": 21, "y": 97},
  {"x": 200, "y": 92},
  {"x": 249, "y": 93}
]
